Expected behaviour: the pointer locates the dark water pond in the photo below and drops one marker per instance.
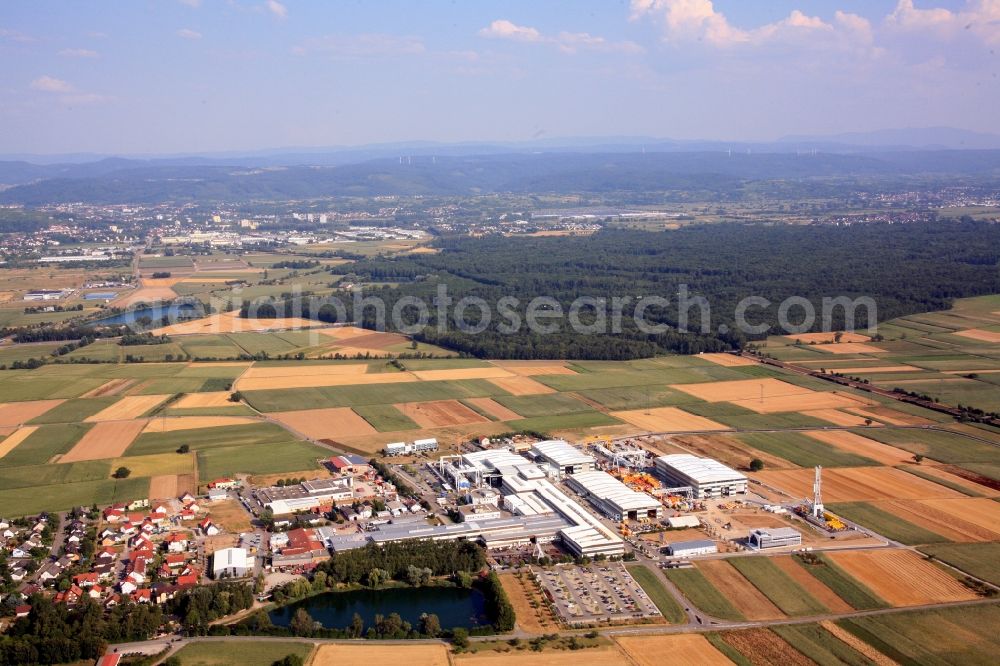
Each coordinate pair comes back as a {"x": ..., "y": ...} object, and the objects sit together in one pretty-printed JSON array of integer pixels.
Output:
[{"x": 455, "y": 607}]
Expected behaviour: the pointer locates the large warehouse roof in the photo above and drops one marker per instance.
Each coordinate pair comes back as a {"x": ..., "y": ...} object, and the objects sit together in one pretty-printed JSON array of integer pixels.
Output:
[
  {"x": 607, "y": 488},
  {"x": 700, "y": 470},
  {"x": 561, "y": 453}
]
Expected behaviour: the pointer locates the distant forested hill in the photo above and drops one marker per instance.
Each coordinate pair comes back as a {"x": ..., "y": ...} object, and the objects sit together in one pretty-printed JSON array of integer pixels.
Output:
[
  {"x": 906, "y": 268},
  {"x": 682, "y": 176}
]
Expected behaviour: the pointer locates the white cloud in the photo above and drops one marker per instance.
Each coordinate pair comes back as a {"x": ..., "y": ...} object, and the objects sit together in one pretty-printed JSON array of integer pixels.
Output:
[
  {"x": 504, "y": 29},
  {"x": 979, "y": 17},
  {"x": 51, "y": 84},
  {"x": 277, "y": 8},
  {"x": 78, "y": 53},
  {"x": 15, "y": 36},
  {"x": 187, "y": 33},
  {"x": 698, "y": 21},
  {"x": 567, "y": 42},
  {"x": 371, "y": 45}
]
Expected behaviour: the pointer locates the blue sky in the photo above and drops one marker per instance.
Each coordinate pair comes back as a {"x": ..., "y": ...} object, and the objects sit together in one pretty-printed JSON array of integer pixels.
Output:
[{"x": 176, "y": 76}]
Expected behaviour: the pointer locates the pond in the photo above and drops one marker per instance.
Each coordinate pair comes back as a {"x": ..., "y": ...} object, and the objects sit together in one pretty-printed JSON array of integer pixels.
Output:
[
  {"x": 174, "y": 311},
  {"x": 455, "y": 607}
]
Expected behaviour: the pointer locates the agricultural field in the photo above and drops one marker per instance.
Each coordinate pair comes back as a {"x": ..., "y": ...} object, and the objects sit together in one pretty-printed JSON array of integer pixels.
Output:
[{"x": 251, "y": 653}]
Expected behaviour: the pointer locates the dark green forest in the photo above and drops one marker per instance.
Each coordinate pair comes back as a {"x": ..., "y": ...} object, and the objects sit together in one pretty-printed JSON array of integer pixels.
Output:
[{"x": 906, "y": 269}]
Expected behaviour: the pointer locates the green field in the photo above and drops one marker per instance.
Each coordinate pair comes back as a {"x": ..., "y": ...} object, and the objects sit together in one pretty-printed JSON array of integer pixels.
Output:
[
  {"x": 270, "y": 458},
  {"x": 385, "y": 418},
  {"x": 702, "y": 594},
  {"x": 204, "y": 438},
  {"x": 843, "y": 585},
  {"x": 802, "y": 450},
  {"x": 777, "y": 586},
  {"x": 553, "y": 404},
  {"x": 978, "y": 559},
  {"x": 31, "y": 476},
  {"x": 638, "y": 397},
  {"x": 62, "y": 496},
  {"x": 546, "y": 424},
  {"x": 665, "y": 602},
  {"x": 370, "y": 394},
  {"x": 957, "y": 635}
]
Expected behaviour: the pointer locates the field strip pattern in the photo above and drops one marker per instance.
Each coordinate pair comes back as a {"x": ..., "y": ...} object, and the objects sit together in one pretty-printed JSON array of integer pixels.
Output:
[
  {"x": 329, "y": 423},
  {"x": 852, "y": 484},
  {"x": 850, "y": 442},
  {"x": 129, "y": 407},
  {"x": 747, "y": 599},
  {"x": 107, "y": 439},
  {"x": 812, "y": 585},
  {"x": 439, "y": 413},
  {"x": 901, "y": 577},
  {"x": 174, "y": 423},
  {"x": 207, "y": 399},
  {"x": 18, "y": 436}
]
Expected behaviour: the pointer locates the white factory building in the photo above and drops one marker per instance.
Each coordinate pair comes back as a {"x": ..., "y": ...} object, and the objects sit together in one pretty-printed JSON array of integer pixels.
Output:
[
  {"x": 773, "y": 537},
  {"x": 416, "y": 446},
  {"x": 306, "y": 496},
  {"x": 691, "y": 548},
  {"x": 563, "y": 456},
  {"x": 231, "y": 563},
  {"x": 613, "y": 498},
  {"x": 527, "y": 490},
  {"x": 705, "y": 477}
]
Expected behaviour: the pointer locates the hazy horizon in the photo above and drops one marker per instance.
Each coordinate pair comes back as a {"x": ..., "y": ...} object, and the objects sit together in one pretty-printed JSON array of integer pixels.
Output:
[{"x": 176, "y": 77}]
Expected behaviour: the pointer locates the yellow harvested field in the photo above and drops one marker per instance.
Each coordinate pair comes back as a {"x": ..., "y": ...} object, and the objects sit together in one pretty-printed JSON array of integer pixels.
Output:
[
  {"x": 530, "y": 368},
  {"x": 747, "y": 599},
  {"x": 145, "y": 295},
  {"x": 668, "y": 419},
  {"x": 837, "y": 417},
  {"x": 344, "y": 332},
  {"x": 979, "y": 334},
  {"x": 264, "y": 371},
  {"x": 129, "y": 407},
  {"x": 516, "y": 385},
  {"x": 522, "y": 594},
  {"x": 175, "y": 423},
  {"x": 462, "y": 373},
  {"x": 893, "y": 575},
  {"x": 728, "y": 360},
  {"x": 231, "y": 322},
  {"x": 602, "y": 656},
  {"x": 161, "y": 282},
  {"x": 163, "y": 487},
  {"x": 493, "y": 408},
  {"x": 849, "y": 348},
  {"x": 207, "y": 399},
  {"x": 230, "y": 516},
  {"x": 16, "y": 413},
  {"x": 314, "y": 380},
  {"x": 862, "y": 446},
  {"x": 981, "y": 513},
  {"x": 958, "y": 528},
  {"x": 741, "y": 389},
  {"x": 681, "y": 648},
  {"x": 108, "y": 439},
  {"x": 18, "y": 436},
  {"x": 439, "y": 413},
  {"x": 342, "y": 654},
  {"x": 854, "y": 484},
  {"x": 802, "y": 402},
  {"x": 331, "y": 423},
  {"x": 877, "y": 368},
  {"x": 819, "y": 338}
]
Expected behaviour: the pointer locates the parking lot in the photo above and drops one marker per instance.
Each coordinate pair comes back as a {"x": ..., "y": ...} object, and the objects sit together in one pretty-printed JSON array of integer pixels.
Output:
[{"x": 595, "y": 593}]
